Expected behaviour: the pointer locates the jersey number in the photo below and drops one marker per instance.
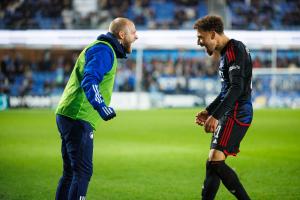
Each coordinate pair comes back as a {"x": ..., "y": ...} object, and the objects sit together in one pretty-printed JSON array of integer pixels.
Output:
[
  {"x": 221, "y": 75},
  {"x": 216, "y": 134}
]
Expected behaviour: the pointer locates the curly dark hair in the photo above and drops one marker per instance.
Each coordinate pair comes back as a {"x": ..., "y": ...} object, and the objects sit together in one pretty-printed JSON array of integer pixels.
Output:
[{"x": 210, "y": 23}]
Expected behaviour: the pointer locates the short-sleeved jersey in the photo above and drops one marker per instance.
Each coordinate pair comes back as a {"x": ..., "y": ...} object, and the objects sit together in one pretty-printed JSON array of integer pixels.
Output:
[{"x": 235, "y": 72}]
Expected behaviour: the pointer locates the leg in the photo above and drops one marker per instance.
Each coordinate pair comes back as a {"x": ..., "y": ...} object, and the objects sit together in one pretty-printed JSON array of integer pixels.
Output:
[
  {"x": 212, "y": 179},
  {"x": 80, "y": 150},
  {"x": 225, "y": 141},
  {"x": 211, "y": 183},
  {"x": 227, "y": 175},
  {"x": 64, "y": 125},
  {"x": 64, "y": 184},
  {"x": 77, "y": 151}
]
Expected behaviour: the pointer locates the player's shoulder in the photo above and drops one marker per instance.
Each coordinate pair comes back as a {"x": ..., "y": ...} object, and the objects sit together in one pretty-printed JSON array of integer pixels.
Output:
[
  {"x": 234, "y": 50},
  {"x": 99, "y": 48},
  {"x": 237, "y": 45},
  {"x": 231, "y": 51}
]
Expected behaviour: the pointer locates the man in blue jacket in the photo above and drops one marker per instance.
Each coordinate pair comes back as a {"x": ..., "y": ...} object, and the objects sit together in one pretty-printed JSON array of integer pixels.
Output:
[{"x": 86, "y": 96}]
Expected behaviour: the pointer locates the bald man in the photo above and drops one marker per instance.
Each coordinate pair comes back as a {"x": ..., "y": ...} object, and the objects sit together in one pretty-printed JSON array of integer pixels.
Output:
[{"x": 86, "y": 96}]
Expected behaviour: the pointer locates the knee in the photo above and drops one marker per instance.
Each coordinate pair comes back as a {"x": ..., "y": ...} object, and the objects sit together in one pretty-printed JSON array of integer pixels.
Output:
[
  {"x": 85, "y": 174},
  {"x": 67, "y": 177},
  {"x": 215, "y": 160},
  {"x": 81, "y": 179},
  {"x": 215, "y": 166}
]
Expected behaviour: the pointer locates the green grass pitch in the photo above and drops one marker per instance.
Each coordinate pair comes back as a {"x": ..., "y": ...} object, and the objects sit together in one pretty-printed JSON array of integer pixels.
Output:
[{"x": 149, "y": 155}]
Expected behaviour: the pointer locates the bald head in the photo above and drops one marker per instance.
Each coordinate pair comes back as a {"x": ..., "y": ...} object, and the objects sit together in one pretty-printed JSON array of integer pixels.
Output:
[
  {"x": 124, "y": 30},
  {"x": 120, "y": 24}
]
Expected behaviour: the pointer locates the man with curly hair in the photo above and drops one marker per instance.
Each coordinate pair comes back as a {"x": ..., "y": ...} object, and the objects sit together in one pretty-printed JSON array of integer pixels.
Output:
[{"x": 229, "y": 116}]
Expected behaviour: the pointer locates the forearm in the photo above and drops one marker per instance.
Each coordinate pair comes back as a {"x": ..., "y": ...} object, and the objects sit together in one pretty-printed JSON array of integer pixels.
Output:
[
  {"x": 228, "y": 102},
  {"x": 89, "y": 85},
  {"x": 90, "y": 88},
  {"x": 213, "y": 105}
]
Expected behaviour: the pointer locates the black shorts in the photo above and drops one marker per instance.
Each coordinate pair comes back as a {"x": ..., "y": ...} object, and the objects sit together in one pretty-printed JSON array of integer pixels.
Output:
[{"x": 228, "y": 135}]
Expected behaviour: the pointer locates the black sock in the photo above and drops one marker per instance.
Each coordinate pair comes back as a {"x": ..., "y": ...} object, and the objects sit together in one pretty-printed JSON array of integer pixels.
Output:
[
  {"x": 211, "y": 183},
  {"x": 230, "y": 179}
]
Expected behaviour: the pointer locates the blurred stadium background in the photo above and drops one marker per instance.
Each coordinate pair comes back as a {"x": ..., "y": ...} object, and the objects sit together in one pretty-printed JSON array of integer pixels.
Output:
[{"x": 41, "y": 39}]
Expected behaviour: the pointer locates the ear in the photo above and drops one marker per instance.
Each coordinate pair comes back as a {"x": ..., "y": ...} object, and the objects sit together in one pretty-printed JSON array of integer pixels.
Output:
[
  {"x": 213, "y": 35},
  {"x": 121, "y": 35}
]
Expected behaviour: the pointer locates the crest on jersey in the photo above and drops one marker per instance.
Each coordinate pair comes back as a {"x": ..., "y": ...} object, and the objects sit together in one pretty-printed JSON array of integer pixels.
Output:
[
  {"x": 234, "y": 67},
  {"x": 91, "y": 135}
]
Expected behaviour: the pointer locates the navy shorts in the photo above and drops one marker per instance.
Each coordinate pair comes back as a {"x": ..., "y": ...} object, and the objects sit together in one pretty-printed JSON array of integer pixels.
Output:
[
  {"x": 228, "y": 135},
  {"x": 77, "y": 146}
]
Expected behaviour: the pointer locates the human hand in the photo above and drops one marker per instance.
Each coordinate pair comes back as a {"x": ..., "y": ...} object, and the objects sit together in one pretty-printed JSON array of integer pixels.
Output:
[
  {"x": 201, "y": 117},
  {"x": 210, "y": 125},
  {"x": 106, "y": 113}
]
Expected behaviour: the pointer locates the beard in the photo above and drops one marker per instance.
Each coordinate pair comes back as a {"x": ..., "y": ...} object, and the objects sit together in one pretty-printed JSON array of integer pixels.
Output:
[{"x": 127, "y": 46}]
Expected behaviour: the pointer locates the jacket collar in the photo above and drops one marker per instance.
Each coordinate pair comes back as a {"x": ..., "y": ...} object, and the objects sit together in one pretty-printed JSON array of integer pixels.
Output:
[{"x": 113, "y": 41}]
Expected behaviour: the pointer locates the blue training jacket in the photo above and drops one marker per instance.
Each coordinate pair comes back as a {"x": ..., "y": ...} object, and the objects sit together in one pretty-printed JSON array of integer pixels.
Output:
[{"x": 99, "y": 60}]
